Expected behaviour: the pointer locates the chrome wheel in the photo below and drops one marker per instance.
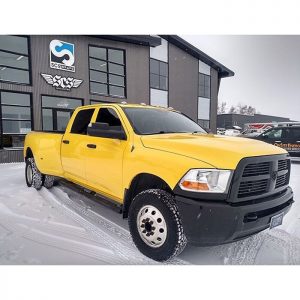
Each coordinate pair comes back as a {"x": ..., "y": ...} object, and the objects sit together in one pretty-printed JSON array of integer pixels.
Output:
[
  {"x": 152, "y": 226},
  {"x": 29, "y": 174}
]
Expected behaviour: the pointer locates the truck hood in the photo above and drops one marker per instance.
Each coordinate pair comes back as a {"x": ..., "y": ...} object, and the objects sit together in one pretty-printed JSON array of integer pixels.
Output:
[{"x": 221, "y": 152}]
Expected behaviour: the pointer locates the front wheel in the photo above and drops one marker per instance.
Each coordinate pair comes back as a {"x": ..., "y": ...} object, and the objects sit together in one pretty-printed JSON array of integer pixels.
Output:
[
  {"x": 33, "y": 176},
  {"x": 155, "y": 225}
]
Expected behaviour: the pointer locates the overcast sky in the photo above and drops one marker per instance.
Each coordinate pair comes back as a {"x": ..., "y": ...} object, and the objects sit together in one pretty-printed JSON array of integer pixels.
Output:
[{"x": 267, "y": 70}]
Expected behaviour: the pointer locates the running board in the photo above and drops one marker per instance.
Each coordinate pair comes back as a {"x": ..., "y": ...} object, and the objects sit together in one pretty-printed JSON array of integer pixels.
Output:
[{"x": 92, "y": 195}]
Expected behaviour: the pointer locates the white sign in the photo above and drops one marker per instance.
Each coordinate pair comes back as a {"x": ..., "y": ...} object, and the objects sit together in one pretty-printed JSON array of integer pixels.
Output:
[
  {"x": 62, "y": 55},
  {"x": 62, "y": 83}
]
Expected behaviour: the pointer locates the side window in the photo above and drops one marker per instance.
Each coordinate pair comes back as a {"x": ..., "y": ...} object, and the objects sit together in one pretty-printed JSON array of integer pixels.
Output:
[
  {"x": 109, "y": 116},
  {"x": 274, "y": 133},
  {"x": 296, "y": 134},
  {"x": 82, "y": 120}
]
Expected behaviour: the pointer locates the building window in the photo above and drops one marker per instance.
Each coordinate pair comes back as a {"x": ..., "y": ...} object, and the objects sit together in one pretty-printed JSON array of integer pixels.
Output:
[
  {"x": 158, "y": 74},
  {"x": 107, "y": 71},
  {"x": 203, "y": 112},
  {"x": 204, "y": 85},
  {"x": 14, "y": 59},
  {"x": 204, "y": 124},
  {"x": 16, "y": 120},
  {"x": 100, "y": 101},
  {"x": 57, "y": 111}
]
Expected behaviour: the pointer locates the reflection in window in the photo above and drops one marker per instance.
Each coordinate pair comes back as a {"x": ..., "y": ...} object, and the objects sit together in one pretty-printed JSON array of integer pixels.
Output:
[
  {"x": 158, "y": 74},
  {"x": 57, "y": 111},
  {"x": 16, "y": 119},
  {"x": 204, "y": 85},
  {"x": 14, "y": 59},
  {"x": 107, "y": 71}
]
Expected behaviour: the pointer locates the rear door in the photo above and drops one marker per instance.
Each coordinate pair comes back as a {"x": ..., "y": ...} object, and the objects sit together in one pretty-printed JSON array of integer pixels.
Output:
[{"x": 73, "y": 146}]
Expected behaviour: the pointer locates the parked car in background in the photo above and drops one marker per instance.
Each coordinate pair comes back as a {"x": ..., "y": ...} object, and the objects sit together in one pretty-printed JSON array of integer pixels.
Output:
[{"x": 285, "y": 136}]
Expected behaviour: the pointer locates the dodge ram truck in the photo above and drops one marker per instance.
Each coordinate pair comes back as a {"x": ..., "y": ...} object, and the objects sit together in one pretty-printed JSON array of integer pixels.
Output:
[{"x": 175, "y": 182}]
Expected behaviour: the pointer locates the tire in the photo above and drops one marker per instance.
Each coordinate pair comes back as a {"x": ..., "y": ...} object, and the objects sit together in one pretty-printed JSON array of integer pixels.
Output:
[
  {"x": 33, "y": 176},
  {"x": 49, "y": 181},
  {"x": 162, "y": 239}
]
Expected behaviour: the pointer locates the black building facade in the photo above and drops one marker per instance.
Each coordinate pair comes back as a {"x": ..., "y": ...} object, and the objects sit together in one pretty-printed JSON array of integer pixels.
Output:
[{"x": 44, "y": 78}]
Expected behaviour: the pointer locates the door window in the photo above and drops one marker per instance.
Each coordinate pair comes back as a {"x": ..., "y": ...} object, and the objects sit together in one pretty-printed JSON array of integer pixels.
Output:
[
  {"x": 82, "y": 121},
  {"x": 274, "y": 133},
  {"x": 109, "y": 116},
  {"x": 296, "y": 133}
]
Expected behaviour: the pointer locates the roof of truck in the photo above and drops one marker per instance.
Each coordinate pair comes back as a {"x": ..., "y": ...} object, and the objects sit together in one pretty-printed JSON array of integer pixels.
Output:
[{"x": 131, "y": 105}]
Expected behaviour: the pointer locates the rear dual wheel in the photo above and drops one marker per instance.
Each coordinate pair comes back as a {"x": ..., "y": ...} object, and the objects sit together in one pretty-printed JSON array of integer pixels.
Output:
[{"x": 34, "y": 178}]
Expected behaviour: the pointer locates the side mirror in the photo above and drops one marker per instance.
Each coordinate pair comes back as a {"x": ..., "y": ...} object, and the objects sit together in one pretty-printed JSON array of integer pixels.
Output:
[
  {"x": 106, "y": 131},
  {"x": 264, "y": 136}
]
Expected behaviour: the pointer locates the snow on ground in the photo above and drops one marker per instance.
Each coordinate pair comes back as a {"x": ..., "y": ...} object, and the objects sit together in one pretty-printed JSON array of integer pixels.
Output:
[{"x": 61, "y": 226}]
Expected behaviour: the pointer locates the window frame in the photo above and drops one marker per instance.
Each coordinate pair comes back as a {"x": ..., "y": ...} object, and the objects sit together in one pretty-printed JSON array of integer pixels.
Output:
[
  {"x": 108, "y": 94},
  {"x": 15, "y": 105},
  {"x": 159, "y": 75},
  {"x": 16, "y": 68}
]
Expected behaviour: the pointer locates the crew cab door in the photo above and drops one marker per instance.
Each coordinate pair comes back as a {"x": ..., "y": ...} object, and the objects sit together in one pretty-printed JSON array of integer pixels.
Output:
[
  {"x": 73, "y": 146},
  {"x": 104, "y": 157}
]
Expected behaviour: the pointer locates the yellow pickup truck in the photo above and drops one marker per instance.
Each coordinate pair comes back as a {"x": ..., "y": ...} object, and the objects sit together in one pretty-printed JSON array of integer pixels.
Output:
[{"x": 173, "y": 181}]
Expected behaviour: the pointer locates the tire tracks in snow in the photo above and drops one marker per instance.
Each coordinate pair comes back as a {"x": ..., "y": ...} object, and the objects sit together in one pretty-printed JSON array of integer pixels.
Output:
[
  {"x": 245, "y": 252},
  {"x": 105, "y": 231}
]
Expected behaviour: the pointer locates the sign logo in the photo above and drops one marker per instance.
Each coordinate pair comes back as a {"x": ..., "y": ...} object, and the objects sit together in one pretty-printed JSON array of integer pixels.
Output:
[
  {"x": 62, "y": 56},
  {"x": 62, "y": 83}
]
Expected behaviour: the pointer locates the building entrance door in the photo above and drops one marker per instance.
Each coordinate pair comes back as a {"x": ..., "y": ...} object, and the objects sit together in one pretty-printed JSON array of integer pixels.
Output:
[{"x": 57, "y": 111}]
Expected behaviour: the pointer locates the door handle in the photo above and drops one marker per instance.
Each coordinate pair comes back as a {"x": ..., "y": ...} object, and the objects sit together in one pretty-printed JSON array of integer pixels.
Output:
[
  {"x": 66, "y": 141},
  {"x": 92, "y": 146},
  {"x": 277, "y": 141}
]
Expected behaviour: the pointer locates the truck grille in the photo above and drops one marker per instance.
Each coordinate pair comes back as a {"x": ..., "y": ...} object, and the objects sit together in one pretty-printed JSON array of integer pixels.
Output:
[
  {"x": 281, "y": 180},
  {"x": 257, "y": 169},
  {"x": 251, "y": 188},
  {"x": 257, "y": 177}
]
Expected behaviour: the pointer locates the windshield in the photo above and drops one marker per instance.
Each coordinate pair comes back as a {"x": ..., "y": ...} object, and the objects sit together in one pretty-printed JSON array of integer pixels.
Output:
[{"x": 159, "y": 121}]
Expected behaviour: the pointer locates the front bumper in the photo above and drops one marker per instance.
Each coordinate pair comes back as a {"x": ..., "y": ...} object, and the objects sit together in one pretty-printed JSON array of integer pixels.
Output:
[{"x": 210, "y": 222}]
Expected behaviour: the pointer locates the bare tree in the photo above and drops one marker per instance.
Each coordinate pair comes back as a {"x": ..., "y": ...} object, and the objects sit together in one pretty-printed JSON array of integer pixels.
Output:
[
  {"x": 222, "y": 108},
  {"x": 232, "y": 110},
  {"x": 242, "y": 109},
  {"x": 251, "y": 110}
]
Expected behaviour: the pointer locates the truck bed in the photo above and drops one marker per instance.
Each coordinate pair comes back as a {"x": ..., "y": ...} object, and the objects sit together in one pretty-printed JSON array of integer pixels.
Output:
[{"x": 47, "y": 145}]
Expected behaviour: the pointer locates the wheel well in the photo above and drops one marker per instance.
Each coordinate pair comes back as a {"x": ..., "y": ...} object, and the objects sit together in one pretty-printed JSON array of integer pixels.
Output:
[
  {"x": 141, "y": 183},
  {"x": 29, "y": 153}
]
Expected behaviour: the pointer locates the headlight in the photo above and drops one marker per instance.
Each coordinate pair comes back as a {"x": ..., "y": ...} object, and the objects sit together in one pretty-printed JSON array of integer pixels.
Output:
[{"x": 206, "y": 181}]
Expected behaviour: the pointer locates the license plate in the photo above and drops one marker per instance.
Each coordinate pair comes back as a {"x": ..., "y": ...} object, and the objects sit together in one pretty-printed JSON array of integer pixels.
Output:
[{"x": 276, "y": 220}]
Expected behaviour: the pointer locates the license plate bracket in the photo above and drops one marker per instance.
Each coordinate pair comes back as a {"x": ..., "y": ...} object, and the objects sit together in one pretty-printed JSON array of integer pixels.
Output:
[{"x": 276, "y": 220}]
